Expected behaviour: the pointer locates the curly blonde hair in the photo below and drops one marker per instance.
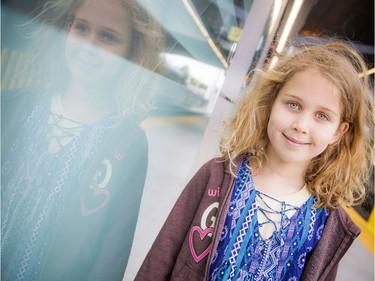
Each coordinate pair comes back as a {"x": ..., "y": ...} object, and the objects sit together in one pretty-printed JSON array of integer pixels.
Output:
[
  {"x": 341, "y": 172},
  {"x": 132, "y": 92}
]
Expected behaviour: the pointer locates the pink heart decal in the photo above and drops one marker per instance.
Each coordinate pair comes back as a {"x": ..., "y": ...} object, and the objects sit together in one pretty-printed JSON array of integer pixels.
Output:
[
  {"x": 202, "y": 235},
  {"x": 97, "y": 191}
]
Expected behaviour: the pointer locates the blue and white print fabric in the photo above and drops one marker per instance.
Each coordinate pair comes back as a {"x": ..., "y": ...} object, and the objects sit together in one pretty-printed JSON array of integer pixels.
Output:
[
  {"x": 35, "y": 184},
  {"x": 242, "y": 253}
]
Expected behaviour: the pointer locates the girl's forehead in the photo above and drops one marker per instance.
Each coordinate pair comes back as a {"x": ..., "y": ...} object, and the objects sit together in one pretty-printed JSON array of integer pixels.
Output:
[
  {"x": 108, "y": 13},
  {"x": 304, "y": 79},
  {"x": 103, "y": 8},
  {"x": 313, "y": 87}
]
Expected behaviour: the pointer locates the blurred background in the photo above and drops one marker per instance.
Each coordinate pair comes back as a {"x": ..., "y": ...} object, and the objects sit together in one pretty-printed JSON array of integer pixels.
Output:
[{"x": 211, "y": 50}]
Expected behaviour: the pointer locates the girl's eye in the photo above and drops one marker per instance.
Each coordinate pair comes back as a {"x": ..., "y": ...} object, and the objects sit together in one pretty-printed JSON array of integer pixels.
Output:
[
  {"x": 109, "y": 37},
  {"x": 81, "y": 28},
  {"x": 293, "y": 105},
  {"x": 322, "y": 116}
]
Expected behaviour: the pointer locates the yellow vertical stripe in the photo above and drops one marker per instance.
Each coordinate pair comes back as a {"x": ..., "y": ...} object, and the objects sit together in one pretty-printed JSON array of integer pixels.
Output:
[
  {"x": 20, "y": 72},
  {"x": 13, "y": 79},
  {"x": 371, "y": 220},
  {"x": 367, "y": 227},
  {"x": 4, "y": 56},
  {"x": 10, "y": 64}
]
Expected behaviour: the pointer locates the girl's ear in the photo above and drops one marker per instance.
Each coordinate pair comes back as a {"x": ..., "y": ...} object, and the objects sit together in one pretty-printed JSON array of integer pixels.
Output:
[{"x": 341, "y": 130}]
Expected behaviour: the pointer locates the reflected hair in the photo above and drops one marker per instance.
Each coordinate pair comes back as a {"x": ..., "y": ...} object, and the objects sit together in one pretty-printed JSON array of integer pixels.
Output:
[
  {"x": 341, "y": 172},
  {"x": 133, "y": 93}
]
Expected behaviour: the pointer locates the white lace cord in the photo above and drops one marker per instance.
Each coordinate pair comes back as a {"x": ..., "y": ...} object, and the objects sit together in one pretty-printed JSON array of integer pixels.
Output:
[
  {"x": 62, "y": 130},
  {"x": 269, "y": 210}
]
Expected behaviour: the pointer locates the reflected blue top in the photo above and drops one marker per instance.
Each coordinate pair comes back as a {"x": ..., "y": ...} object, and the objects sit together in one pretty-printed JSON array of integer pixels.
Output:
[{"x": 68, "y": 215}]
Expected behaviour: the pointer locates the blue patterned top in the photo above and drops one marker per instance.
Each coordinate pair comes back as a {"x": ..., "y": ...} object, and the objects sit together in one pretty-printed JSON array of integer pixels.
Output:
[
  {"x": 243, "y": 254},
  {"x": 71, "y": 214},
  {"x": 34, "y": 188}
]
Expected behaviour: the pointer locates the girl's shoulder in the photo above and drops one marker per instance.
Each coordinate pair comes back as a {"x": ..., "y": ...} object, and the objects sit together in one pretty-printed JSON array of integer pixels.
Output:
[
  {"x": 16, "y": 96},
  {"x": 339, "y": 220},
  {"x": 224, "y": 164},
  {"x": 126, "y": 138},
  {"x": 129, "y": 129},
  {"x": 15, "y": 104},
  {"x": 18, "y": 100}
]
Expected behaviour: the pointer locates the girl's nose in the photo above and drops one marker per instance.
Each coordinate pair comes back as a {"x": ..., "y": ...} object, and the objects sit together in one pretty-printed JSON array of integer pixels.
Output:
[
  {"x": 90, "y": 41},
  {"x": 89, "y": 44},
  {"x": 301, "y": 125}
]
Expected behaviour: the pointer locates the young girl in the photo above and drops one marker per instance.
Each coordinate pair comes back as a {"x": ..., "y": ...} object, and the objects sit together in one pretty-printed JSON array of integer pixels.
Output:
[
  {"x": 74, "y": 158},
  {"x": 298, "y": 146}
]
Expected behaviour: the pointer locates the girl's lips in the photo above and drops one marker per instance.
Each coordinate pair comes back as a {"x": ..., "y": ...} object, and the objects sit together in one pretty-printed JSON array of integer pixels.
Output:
[
  {"x": 294, "y": 141},
  {"x": 86, "y": 62},
  {"x": 87, "y": 59}
]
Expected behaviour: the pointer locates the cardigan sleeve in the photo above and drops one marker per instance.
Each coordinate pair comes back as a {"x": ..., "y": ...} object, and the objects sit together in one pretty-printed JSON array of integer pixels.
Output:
[{"x": 161, "y": 259}]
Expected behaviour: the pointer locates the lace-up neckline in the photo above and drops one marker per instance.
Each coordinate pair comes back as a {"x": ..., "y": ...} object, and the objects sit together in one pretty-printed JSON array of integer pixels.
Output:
[{"x": 275, "y": 212}]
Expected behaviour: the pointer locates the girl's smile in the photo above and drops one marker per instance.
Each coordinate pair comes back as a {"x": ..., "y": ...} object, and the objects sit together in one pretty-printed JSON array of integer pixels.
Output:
[{"x": 294, "y": 142}]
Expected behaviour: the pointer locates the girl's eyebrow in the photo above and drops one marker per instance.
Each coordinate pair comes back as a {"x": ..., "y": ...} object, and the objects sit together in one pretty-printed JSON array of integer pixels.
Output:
[
  {"x": 79, "y": 19},
  {"x": 112, "y": 30},
  {"x": 323, "y": 108},
  {"x": 103, "y": 26}
]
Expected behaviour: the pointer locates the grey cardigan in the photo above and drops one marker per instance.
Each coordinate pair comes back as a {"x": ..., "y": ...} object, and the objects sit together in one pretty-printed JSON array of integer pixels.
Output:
[{"x": 183, "y": 247}]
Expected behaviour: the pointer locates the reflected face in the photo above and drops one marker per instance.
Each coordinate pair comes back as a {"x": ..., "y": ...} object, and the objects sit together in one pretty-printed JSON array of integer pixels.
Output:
[
  {"x": 98, "y": 40},
  {"x": 305, "y": 118}
]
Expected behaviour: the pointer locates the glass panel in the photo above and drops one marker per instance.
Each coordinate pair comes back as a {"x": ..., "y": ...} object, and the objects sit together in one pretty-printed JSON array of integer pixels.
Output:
[
  {"x": 198, "y": 42},
  {"x": 104, "y": 105},
  {"x": 224, "y": 20}
]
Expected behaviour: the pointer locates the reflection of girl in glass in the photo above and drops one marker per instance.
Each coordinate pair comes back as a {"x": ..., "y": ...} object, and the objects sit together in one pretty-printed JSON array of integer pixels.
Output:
[{"x": 74, "y": 159}]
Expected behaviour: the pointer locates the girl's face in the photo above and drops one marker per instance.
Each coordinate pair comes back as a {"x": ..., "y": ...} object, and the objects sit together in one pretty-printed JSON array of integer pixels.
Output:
[
  {"x": 305, "y": 118},
  {"x": 98, "y": 40}
]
